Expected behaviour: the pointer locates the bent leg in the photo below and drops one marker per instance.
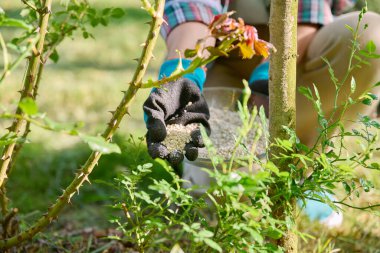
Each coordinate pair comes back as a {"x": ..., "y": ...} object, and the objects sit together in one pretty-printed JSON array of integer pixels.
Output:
[{"x": 333, "y": 42}]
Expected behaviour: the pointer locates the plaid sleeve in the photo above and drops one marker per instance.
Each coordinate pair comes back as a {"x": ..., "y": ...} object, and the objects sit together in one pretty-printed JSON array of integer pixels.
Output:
[
  {"x": 181, "y": 11},
  {"x": 321, "y": 12}
]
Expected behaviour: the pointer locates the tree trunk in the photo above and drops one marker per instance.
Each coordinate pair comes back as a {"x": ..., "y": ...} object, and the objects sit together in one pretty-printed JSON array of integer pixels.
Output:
[{"x": 282, "y": 91}]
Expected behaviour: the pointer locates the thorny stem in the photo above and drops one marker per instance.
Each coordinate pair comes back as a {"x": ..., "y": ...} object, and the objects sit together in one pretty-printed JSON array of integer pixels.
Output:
[
  {"x": 29, "y": 82},
  {"x": 4, "y": 200},
  {"x": 174, "y": 77},
  {"x": 113, "y": 124}
]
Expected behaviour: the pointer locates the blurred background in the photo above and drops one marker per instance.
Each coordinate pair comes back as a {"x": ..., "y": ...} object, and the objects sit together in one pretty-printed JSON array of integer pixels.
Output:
[{"x": 83, "y": 86}]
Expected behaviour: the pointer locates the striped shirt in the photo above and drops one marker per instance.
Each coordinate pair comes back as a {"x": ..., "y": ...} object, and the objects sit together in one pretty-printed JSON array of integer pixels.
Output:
[{"x": 319, "y": 12}]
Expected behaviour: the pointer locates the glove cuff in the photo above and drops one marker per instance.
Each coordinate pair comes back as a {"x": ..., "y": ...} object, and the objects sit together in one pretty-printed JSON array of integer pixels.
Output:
[
  {"x": 261, "y": 72},
  {"x": 169, "y": 66}
]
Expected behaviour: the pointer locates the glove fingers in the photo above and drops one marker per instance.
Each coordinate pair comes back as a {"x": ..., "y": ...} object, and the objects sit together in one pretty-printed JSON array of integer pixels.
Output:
[
  {"x": 191, "y": 152},
  {"x": 175, "y": 158},
  {"x": 196, "y": 138},
  {"x": 156, "y": 130},
  {"x": 157, "y": 150}
]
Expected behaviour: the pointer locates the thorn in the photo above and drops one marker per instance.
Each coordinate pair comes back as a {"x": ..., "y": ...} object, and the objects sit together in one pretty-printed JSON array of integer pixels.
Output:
[
  {"x": 148, "y": 23},
  {"x": 143, "y": 44},
  {"x": 77, "y": 189},
  {"x": 70, "y": 196},
  {"x": 136, "y": 59},
  {"x": 112, "y": 112},
  {"x": 86, "y": 179}
]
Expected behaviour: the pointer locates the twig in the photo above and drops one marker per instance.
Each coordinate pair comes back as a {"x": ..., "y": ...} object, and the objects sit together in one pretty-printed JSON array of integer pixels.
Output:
[
  {"x": 113, "y": 124},
  {"x": 11, "y": 66},
  {"x": 7, "y": 222},
  {"x": 5, "y": 53},
  {"x": 348, "y": 205},
  {"x": 30, "y": 5}
]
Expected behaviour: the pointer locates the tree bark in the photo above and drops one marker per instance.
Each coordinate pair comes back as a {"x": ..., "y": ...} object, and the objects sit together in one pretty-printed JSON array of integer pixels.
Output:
[{"x": 282, "y": 91}]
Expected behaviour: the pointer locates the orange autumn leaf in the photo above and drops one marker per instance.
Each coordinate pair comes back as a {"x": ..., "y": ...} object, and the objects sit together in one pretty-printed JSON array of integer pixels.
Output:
[
  {"x": 234, "y": 34},
  {"x": 262, "y": 48}
]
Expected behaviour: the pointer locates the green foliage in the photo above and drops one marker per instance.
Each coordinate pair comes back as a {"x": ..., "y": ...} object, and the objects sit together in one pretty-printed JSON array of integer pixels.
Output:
[
  {"x": 153, "y": 211},
  {"x": 239, "y": 204}
]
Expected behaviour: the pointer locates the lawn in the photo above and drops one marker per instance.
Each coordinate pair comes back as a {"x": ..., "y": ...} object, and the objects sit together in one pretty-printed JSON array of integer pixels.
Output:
[{"x": 83, "y": 86}]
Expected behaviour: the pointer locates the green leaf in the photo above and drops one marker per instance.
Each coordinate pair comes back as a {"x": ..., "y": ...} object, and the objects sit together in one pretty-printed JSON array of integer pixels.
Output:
[
  {"x": 106, "y": 11},
  {"x": 196, "y": 226},
  {"x": 213, "y": 244},
  {"x": 215, "y": 51},
  {"x": 205, "y": 234},
  {"x": 99, "y": 144},
  {"x": 346, "y": 187},
  {"x": 349, "y": 28},
  {"x": 7, "y": 139},
  {"x": 54, "y": 56},
  {"x": 371, "y": 47},
  {"x": 272, "y": 167},
  {"x": 28, "y": 106},
  {"x": 190, "y": 53},
  {"x": 306, "y": 92},
  {"x": 117, "y": 13},
  {"x": 11, "y": 22},
  {"x": 273, "y": 233}
]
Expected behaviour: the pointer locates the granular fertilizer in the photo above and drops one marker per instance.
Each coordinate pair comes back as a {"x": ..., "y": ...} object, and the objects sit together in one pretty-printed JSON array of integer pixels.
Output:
[
  {"x": 178, "y": 136},
  {"x": 225, "y": 126}
]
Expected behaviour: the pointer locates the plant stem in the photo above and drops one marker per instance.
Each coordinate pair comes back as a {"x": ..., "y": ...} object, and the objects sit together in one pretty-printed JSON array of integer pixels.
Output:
[
  {"x": 11, "y": 66},
  {"x": 113, "y": 124},
  {"x": 29, "y": 82},
  {"x": 4, "y": 200},
  {"x": 282, "y": 107}
]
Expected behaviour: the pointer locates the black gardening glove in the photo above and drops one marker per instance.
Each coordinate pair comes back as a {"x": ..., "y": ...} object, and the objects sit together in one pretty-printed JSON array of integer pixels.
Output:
[{"x": 178, "y": 102}]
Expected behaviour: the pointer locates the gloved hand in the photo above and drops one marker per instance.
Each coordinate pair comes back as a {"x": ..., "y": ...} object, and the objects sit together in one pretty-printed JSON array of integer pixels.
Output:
[
  {"x": 178, "y": 102},
  {"x": 258, "y": 82}
]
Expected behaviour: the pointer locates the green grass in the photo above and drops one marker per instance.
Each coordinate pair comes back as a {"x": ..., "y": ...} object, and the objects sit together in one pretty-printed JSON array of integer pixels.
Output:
[{"x": 83, "y": 86}]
